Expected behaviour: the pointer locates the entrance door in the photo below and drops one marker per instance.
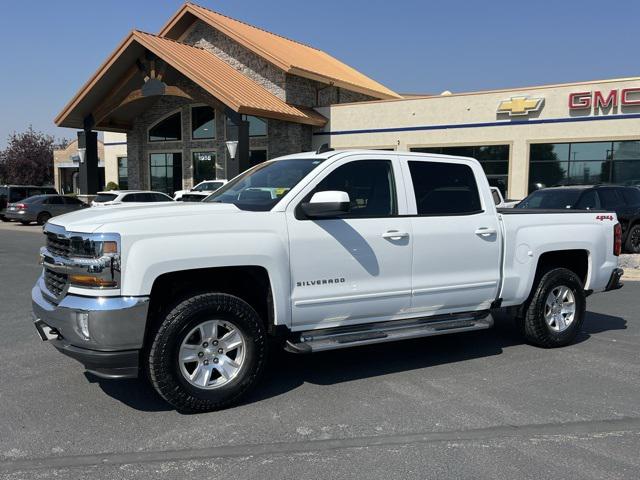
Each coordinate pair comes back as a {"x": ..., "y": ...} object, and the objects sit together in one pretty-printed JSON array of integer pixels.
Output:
[
  {"x": 352, "y": 269},
  {"x": 456, "y": 248}
]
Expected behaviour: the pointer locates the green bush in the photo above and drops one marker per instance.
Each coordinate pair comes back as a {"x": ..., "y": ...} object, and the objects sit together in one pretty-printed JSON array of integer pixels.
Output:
[{"x": 111, "y": 186}]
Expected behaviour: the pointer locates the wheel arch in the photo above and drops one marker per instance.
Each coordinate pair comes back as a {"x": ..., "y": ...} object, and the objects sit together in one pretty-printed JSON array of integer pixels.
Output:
[{"x": 251, "y": 283}]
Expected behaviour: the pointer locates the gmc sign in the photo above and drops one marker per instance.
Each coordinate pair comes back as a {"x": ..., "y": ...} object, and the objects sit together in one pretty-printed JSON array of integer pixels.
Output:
[{"x": 626, "y": 97}]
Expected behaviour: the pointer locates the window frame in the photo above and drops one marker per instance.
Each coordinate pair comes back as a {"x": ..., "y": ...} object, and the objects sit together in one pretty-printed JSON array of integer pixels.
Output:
[
  {"x": 162, "y": 119},
  {"x": 166, "y": 152},
  {"x": 294, "y": 205},
  {"x": 476, "y": 170}
]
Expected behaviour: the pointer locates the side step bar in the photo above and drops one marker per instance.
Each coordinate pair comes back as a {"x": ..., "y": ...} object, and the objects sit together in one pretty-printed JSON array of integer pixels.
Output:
[{"x": 353, "y": 336}]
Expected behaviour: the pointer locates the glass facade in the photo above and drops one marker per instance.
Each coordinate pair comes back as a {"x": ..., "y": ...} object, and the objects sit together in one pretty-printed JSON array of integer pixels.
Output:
[
  {"x": 493, "y": 158},
  {"x": 203, "y": 123},
  {"x": 581, "y": 163},
  {"x": 123, "y": 174},
  {"x": 204, "y": 166},
  {"x": 166, "y": 172},
  {"x": 257, "y": 126}
]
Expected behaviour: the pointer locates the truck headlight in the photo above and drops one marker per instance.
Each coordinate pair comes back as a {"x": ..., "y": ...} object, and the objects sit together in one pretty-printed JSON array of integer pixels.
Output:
[{"x": 95, "y": 261}]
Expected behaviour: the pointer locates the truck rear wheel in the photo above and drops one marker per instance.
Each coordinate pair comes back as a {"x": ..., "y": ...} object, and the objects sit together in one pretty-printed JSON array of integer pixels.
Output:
[
  {"x": 208, "y": 352},
  {"x": 556, "y": 311}
]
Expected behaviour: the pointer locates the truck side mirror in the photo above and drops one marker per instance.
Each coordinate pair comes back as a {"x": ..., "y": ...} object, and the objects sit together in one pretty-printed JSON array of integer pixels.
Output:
[{"x": 329, "y": 204}]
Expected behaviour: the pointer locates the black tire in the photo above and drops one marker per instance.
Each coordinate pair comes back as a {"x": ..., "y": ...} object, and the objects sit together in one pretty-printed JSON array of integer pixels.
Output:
[
  {"x": 632, "y": 243},
  {"x": 162, "y": 359},
  {"x": 24, "y": 222},
  {"x": 43, "y": 217},
  {"x": 534, "y": 326}
]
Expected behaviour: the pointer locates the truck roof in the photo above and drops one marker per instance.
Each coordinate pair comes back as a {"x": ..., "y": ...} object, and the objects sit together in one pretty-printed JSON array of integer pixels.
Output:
[{"x": 331, "y": 153}]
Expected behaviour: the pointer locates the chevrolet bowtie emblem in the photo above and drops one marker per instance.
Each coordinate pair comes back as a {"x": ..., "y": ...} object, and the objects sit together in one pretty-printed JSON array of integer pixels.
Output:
[{"x": 516, "y": 106}]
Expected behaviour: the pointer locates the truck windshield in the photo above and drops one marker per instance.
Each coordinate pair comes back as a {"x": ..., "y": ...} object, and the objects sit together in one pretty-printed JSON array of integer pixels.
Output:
[
  {"x": 260, "y": 188},
  {"x": 551, "y": 199}
]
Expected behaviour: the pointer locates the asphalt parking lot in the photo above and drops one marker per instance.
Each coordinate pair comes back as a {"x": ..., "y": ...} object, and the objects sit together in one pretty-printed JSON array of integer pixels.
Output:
[{"x": 477, "y": 405}]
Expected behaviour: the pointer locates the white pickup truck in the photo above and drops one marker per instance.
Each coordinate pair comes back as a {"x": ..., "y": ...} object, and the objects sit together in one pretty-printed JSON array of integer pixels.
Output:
[{"x": 311, "y": 252}]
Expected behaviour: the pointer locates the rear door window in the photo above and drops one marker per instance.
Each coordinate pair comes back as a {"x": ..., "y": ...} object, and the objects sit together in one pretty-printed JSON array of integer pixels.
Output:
[
  {"x": 611, "y": 198},
  {"x": 631, "y": 196},
  {"x": 72, "y": 201},
  {"x": 16, "y": 194},
  {"x": 158, "y": 197},
  {"x": 589, "y": 201},
  {"x": 105, "y": 197},
  {"x": 54, "y": 201},
  {"x": 444, "y": 188},
  {"x": 133, "y": 197}
]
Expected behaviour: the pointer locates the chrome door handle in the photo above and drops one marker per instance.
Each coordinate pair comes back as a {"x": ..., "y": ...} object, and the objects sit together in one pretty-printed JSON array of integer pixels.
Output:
[
  {"x": 485, "y": 231},
  {"x": 395, "y": 234}
]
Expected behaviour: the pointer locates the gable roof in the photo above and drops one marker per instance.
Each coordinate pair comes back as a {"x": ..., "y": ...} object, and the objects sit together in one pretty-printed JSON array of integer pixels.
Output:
[
  {"x": 291, "y": 56},
  {"x": 213, "y": 74}
]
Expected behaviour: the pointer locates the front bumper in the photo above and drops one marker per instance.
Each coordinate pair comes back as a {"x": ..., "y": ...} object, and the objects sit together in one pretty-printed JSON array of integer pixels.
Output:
[
  {"x": 115, "y": 328},
  {"x": 614, "y": 280}
]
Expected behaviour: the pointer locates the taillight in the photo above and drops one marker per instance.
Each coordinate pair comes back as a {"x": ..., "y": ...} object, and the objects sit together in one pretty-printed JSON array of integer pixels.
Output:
[
  {"x": 21, "y": 206},
  {"x": 617, "y": 239}
]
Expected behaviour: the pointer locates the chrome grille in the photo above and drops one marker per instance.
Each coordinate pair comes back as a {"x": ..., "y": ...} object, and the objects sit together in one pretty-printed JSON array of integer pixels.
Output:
[
  {"x": 55, "y": 282},
  {"x": 58, "y": 245}
]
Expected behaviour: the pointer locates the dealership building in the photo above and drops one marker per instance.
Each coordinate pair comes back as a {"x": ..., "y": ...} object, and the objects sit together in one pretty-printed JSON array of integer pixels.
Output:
[{"x": 210, "y": 96}]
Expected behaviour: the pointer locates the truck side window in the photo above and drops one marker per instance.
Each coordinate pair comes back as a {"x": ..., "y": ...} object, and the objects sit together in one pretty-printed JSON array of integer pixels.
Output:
[
  {"x": 370, "y": 186},
  {"x": 611, "y": 198},
  {"x": 588, "y": 201},
  {"x": 444, "y": 188}
]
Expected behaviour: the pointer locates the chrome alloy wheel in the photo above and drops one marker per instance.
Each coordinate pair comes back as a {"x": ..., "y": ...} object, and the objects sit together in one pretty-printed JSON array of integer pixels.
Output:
[
  {"x": 212, "y": 354},
  {"x": 560, "y": 308}
]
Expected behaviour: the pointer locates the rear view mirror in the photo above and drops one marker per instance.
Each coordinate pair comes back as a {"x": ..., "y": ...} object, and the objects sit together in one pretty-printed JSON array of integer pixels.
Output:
[{"x": 329, "y": 204}]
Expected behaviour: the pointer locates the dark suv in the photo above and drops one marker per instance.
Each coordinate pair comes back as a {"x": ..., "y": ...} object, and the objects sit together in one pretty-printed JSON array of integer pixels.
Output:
[
  {"x": 625, "y": 201},
  {"x": 15, "y": 193}
]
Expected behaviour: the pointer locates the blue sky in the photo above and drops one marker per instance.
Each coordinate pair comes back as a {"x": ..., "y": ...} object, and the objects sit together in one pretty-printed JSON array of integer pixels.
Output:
[{"x": 48, "y": 49}]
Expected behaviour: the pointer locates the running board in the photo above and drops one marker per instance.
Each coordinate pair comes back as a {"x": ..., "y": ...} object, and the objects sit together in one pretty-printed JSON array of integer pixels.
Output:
[{"x": 353, "y": 336}]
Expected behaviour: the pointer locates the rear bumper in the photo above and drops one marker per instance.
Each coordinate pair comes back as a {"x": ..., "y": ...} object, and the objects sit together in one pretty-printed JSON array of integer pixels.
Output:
[
  {"x": 614, "y": 281},
  {"x": 105, "y": 334},
  {"x": 19, "y": 215}
]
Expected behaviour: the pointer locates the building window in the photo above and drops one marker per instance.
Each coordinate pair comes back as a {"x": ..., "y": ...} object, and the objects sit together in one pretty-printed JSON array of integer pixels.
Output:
[
  {"x": 203, "y": 123},
  {"x": 493, "y": 158},
  {"x": 167, "y": 130},
  {"x": 257, "y": 126},
  {"x": 584, "y": 163},
  {"x": 166, "y": 172},
  {"x": 257, "y": 156},
  {"x": 123, "y": 174},
  {"x": 204, "y": 166}
]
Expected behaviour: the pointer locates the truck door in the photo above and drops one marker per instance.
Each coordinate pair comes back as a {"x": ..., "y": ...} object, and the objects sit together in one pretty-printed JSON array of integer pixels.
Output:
[
  {"x": 355, "y": 268},
  {"x": 456, "y": 238}
]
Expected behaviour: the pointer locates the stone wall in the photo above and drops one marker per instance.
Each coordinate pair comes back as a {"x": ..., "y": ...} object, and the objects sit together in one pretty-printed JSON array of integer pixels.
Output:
[{"x": 242, "y": 59}]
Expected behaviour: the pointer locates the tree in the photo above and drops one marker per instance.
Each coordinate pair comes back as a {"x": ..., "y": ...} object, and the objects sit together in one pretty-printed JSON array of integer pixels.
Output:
[{"x": 28, "y": 158}]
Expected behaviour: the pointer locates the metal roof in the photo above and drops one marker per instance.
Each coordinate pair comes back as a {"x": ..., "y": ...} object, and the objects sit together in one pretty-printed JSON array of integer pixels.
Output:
[
  {"x": 213, "y": 74},
  {"x": 291, "y": 56}
]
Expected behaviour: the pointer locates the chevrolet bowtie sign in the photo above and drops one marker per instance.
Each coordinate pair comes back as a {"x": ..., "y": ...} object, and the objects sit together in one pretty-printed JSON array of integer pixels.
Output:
[{"x": 520, "y": 106}]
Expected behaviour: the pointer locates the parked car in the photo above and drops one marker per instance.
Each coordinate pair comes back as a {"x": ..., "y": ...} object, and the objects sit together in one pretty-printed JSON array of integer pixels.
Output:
[
  {"x": 499, "y": 200},
  {"x": 16, "y": 193},
  {"x": 328, "y": 250},
  {"x": 624, "y": 200},
  {"x": 41, "y": 208},
  {"x": 200, "y": 191},
  {"x": 118, "y": 197}
]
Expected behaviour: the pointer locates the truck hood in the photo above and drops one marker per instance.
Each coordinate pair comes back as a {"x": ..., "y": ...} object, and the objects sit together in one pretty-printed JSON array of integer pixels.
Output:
[{"x": 92, "y": 219}]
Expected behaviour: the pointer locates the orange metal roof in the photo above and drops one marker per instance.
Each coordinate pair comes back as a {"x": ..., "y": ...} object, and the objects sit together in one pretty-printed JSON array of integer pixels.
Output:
[
  {"x": 210, "y": 72},
  {"x": 291, "y": 56}
]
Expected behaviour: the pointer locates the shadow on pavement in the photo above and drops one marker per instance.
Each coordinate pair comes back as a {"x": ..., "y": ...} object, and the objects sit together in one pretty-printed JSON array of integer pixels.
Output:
[{"x": 287, "y": 371}]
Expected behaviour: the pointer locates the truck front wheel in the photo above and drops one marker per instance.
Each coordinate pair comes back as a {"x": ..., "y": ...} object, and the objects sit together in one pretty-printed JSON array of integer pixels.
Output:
[
  {"x": 208, "y": 351},
  {"x": 556, "y": 311}
]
